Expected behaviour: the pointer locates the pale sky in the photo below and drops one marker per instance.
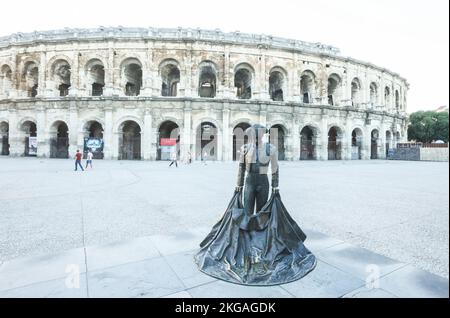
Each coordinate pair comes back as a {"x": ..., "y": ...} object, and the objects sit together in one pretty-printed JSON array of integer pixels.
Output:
[{"x": 410, "y": 37}]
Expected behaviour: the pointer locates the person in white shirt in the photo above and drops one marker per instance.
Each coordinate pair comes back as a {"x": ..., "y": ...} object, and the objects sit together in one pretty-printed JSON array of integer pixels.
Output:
[
  {"x": 89, "y": 157},
  {"x": 173, "y": 157}
]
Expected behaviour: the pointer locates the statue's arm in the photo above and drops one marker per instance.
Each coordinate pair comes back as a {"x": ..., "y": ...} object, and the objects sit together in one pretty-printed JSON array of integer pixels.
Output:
[{"x": 274, "y": 168}]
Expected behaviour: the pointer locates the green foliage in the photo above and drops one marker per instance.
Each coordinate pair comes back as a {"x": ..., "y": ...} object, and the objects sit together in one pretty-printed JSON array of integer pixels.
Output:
[{"x": 428, "y": 126}]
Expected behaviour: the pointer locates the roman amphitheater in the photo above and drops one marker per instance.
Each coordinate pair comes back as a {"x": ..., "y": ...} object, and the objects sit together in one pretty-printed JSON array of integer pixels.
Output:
[{"x": 144, "y": 93}]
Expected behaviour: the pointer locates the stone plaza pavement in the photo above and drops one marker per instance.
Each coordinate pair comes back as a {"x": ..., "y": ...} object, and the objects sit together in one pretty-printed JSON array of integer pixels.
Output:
[{"x": 131, "y": 228}]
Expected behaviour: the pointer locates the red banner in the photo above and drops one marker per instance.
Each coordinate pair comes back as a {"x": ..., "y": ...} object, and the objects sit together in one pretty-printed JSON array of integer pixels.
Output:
[{"x": 168, "y": 142}]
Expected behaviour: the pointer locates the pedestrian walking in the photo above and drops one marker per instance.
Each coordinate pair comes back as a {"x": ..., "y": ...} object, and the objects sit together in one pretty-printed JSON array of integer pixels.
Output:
[
  {"x": 89, "y": 158},
  {"x": 78, "y": 161},
  {"x": 173, "y": 156},
  {"x": 189, "y": 158}
]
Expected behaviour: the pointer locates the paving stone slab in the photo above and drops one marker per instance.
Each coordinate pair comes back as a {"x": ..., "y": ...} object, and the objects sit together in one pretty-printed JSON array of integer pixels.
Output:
[
  {"x": 358, "y": 262},
  {"x": 410, "y": 282},
  {"x": 317, "y": 241},
  {"x": 183, "y": 294},
  {"x": 325, "y": 281},
  {"x": 184, "y": 266},
  {"x": 24, "y": 271},
  {"x": 59, "y": 288},
  {"x": 221, "y": 289},
  {"x": 181, "y": 242},
  {"x": 150, "y": 278},
  {"x": 119, "y": 253},
  {"x": 365, "y": 292}
]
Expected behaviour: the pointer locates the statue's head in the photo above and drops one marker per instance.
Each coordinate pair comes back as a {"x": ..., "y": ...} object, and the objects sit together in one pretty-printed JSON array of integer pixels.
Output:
[{"x": 256, "y": 133}]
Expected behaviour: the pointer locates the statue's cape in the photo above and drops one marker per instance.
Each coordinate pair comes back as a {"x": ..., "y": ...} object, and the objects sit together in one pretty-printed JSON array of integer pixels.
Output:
[{"x": 261, "y": 249}]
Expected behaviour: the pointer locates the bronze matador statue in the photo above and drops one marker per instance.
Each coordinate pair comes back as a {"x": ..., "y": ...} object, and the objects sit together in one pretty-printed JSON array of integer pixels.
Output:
[{"x": 262, "y": 246}]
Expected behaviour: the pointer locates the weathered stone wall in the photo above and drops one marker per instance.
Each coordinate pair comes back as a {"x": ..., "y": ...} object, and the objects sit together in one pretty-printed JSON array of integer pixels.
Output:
[{"x": 359, "y": 99}]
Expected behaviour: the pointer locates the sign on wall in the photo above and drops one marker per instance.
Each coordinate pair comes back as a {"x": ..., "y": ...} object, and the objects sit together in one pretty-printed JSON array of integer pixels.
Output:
[{"x": 95, "y": 145}]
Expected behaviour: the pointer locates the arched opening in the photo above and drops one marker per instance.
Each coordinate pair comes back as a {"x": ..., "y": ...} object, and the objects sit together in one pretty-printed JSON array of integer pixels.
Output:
[
  {"x": 388, "y": 142},
  {"x": 130, "y": 141},
  {"x": 334, "y": 143},
  {"x": 170, "y": 78},
  {"x": 132, "y": 77},
  {"x": 61, "y": 76},
  {"x": 6, "y": 82},
  {"x": 357, "y": 144},
  {"x": 374, "y": 144},
  {"x": 207, "y": 80},
  {"x": 373, "y": 93},
  {"x": 276, "y": 85},
  {"x": 96, "y": 77},
  {"x": 4, "y": 135},
  {"x": 387, "y": 96},
  {"x": 277, "y": 137},
  {"x": 240, "y": 138},
  {"x": 356, "y": 92},
  {"x": 93, "y": 139},
  {"x": 308, "y": 139},
  {"x": 397, "y": 100},
  {"x": 206, "y": 142},
  {"x": 168, "y": 140},
  {"x": 243, "y": 83},
  {"x": 334, "y": 82},
  {"x": 30, "y": 78},
  {"x": 29, "y": 131},
  {"x": 307, "y": 87},
  {"x": 59, "y": 140}
]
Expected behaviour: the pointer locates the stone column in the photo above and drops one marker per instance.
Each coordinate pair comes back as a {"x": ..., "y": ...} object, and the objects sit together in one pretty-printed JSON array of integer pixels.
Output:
[
  {"x": 322, "y": 147},
  {"x": 185, "y": 132},
  {"x": 73, "y": 129},
  {"x": 43, "y": 141},
  {"x": 367, "y": 143},
  {"x": 13, "y": 134},
  {"x": 347, "y": 141},
  {"x": 147, "y": 136},
  {"x": 295, "y": 140},
  {"x": 227, "y": 134},
  {"x": 109, "y": 88},
  {"x": 108, "y": 135},
  {"x": 42, "y": 72}
]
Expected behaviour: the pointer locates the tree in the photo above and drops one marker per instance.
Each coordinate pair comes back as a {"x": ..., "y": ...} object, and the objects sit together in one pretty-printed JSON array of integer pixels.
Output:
[{"x": 428, "y": 126}]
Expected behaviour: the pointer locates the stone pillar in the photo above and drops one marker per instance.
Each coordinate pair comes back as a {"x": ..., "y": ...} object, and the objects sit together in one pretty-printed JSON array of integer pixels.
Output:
[
  {"x": 73, "y": 130},
  {"x": 367, "y": 144},
  {"x": 75, "y": 74},
  {"x": 43, "y": 140},
  {"x": 109, "y": 72},
  {"x": 42, "y": 72},
  {"x": 108, "y": 135},
  {"x": 13, "y": 134},
  {"x": 227, "y": 134},
  {"x": 295, "y": 140},
  {"x": 322, "y": 147},
  {"x": 347, "y": 141},
  {"x": 186, "y": 134},
  {"x": 147, "y": 137}
]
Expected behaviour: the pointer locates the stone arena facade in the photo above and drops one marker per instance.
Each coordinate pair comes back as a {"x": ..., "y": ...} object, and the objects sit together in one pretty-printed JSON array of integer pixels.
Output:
[{"x": 132, "y": 88}]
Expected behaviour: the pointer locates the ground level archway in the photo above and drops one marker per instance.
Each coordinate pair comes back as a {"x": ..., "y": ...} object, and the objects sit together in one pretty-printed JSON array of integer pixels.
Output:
[
  {"x": 357, "y": 144},
  {"x": 29, "y": 131},
  {"x": 308, "y": 139},
  {"x": 129, "y": 141},
  {"x": 277, "y": 137},
  {"x": 240, "y": 138},
  {"x": 206, "y": 142},
  {"x": 59, "y": 140},
  {"x": 168, "y": 140},
  {"x": 334, "y": 143},
  {"x": 4, "y": 138},
  {"x": 374, "y": 135},
  {"x": 93, "y": 139}
]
